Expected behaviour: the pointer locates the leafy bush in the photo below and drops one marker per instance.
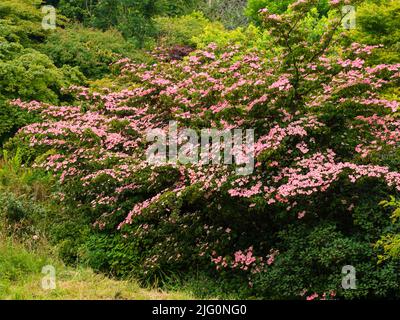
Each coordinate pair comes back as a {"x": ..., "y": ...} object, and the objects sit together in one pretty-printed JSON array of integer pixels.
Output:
[
  {"x": 181, "y": 30},
  {"x": 174, "y": 8},
  {"x": 112, "y": 254},
  {"x": 32, "y": 75},
  {"x": 276, "y": 7},
  {"x": 20, "y": 21},
  {"x": 24, "y": 72},
  {"x": 388, "y": 245},
  {"x": 249, "y": 37},
  {"x": 254, "y": 6},
  {"x": 310, "y": 265},
  {"x": 11, "y": 119},
  {"x": 197, "y": 31},
  {"x": 92, "y": 51},
  {"x": 378, "y": 24},
  {"x": 28, "y": 74},
  {"x": 83, "y": 11},
  {"x": 132, "y": 18}
]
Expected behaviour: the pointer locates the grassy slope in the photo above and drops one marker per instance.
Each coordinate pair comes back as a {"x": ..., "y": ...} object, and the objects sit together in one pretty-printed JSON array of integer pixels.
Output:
[{"x": 21, "y": 278}]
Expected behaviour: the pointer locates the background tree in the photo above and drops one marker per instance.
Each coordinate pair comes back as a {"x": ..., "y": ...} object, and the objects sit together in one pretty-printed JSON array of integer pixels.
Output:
[{"x": 278, "y": 7}]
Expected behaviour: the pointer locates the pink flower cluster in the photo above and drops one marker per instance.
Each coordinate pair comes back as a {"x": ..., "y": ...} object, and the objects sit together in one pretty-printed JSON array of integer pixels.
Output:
[{"x": 244, "y": 260}]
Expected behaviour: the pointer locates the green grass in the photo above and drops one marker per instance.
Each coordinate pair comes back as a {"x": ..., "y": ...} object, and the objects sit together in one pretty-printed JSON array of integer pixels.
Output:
[{"x": 21, "y": 279}]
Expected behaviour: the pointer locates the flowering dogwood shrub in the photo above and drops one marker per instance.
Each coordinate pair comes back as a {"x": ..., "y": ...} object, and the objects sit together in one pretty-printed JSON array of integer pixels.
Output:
[{"x": 320, "y": 119}]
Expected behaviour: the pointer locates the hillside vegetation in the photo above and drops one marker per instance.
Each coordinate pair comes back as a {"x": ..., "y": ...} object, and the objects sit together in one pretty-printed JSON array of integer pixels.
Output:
[{"x": 78, "y": 191}]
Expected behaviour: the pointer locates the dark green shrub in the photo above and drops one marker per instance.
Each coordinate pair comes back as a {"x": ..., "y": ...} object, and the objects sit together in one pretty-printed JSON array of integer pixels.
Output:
[
  {"x": 181, "y": 30},
  {"x": 91, "y": 50},
  {"x": 112, "y": 254},
  {"x": 311, "y": 261}
]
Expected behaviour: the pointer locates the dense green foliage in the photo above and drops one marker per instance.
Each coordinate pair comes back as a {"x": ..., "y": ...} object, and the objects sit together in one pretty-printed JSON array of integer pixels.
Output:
[
  {"x": 276, "y": 7},
  {"x": 182, "y": 30},
  {"x": 389, "y": 244},
  {"x": 25, "y": 72},
  {"x": 21, "y": 22},
  {"x": 379, "y": 24},
  {"x": 132, "y": 17},
  {"x": 91, "y": 50},
  {"x": 254, "y": 6}
]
